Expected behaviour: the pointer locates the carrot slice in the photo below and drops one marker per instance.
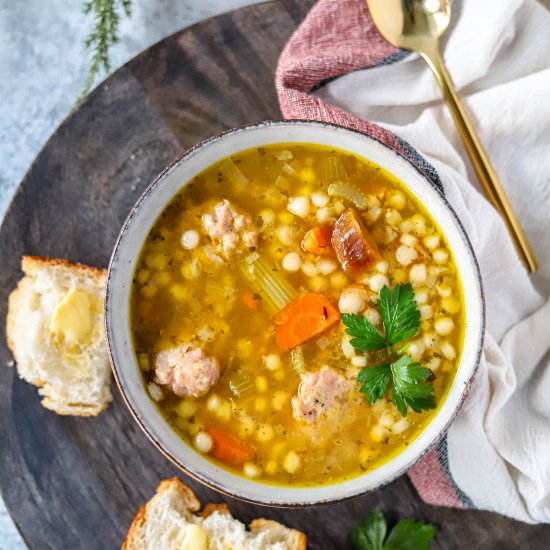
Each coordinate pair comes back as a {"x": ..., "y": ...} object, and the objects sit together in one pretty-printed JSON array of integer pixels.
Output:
[
  {"x": 304, "y": 318},
  {"x": 318, "y": 241},
  {"x": 251, "y": 300},
  {"x": 227, "y": 449}
]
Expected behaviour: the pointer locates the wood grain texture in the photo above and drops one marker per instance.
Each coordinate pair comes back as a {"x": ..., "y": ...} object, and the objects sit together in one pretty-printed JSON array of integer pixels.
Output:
[{"x": 77, "y": 483}]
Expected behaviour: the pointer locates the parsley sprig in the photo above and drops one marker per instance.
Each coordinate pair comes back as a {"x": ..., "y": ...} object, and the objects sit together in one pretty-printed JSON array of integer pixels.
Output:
[
  {"x": 407, "y": 534},
  {"x": 401, "y": 321}
]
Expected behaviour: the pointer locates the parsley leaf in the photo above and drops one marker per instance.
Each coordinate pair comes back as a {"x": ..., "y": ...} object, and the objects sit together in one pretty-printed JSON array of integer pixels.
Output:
[
  {"x": 375, "y": 382},
  {"x": 399, "y": 314},
  {"x": 370, "y": 534},
  {"x": 408, "y": 534},
  {"x": 365, "y": 336},
  {"x": 407, "y": 388},
  {"x": 400, "y": 318}
]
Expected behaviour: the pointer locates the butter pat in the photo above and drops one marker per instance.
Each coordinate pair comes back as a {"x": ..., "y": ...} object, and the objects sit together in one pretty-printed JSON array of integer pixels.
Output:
[
  {"x": 195, "y": 538},
  {"x": 72, "y": 318}
]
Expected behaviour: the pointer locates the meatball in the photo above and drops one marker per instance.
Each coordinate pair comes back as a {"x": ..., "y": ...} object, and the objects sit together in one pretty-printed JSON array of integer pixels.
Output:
[
  {"x": 185, "y": 370},
  {"x": 319, "y": 393},
  {"x": 230, "y": 228}
]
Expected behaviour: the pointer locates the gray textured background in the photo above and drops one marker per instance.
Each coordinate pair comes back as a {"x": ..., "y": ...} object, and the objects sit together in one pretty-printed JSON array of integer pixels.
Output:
[{"x": 42, "y": 66}]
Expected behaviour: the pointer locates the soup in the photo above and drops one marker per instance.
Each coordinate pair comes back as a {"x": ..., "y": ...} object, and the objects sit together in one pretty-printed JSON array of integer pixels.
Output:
[{"x": 297, "y": 315}]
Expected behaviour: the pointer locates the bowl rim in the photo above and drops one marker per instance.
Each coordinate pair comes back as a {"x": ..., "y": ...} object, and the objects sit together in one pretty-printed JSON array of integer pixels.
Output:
[{"x": 467, "y": 383}]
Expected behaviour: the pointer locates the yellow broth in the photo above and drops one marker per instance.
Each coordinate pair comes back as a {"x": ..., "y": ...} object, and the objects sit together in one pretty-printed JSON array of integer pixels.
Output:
[{"x": 194, "y": 295}]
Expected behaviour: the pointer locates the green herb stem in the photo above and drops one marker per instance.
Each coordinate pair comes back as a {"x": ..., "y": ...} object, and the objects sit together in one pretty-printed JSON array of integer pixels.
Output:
[{"x": 103, "y": 36}]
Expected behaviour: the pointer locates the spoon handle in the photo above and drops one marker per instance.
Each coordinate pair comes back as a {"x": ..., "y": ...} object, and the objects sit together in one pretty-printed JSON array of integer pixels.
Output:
[{"x": 482, "y": 166}]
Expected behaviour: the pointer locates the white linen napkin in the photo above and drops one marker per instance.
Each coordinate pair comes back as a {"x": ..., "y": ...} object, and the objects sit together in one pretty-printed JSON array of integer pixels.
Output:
[{"x": 498, "y": 53}]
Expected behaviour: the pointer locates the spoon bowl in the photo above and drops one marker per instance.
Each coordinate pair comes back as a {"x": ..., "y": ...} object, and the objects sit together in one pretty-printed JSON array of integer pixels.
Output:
[{"x": 408, "y": 28}]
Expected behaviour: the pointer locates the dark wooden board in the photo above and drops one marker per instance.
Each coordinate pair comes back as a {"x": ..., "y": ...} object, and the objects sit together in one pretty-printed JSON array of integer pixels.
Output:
[{"x": 77, "y": 483}]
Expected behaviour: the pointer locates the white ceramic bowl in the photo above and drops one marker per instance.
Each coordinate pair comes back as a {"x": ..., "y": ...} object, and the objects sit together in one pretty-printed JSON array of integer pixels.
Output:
[{"x": 123, "y": 263}]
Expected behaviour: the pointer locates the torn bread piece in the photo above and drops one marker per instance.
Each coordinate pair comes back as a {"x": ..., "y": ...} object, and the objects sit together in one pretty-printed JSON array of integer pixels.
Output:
[
  {"x": 56, "y": 333},
  {"x": 169, "y": 521}
]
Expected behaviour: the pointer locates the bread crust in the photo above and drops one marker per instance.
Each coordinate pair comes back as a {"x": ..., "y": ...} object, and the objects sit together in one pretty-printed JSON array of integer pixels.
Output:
[
  {"x": 137, "y": 523},
  {"x": 72, "y": 411},
  {"x": 14, "y": 306},
  {"x": 296, "y": 539},
  {"x": 30, "y": 263},
  {"x": 187, "y": 494},
  {"x": 209, "y": 509}
]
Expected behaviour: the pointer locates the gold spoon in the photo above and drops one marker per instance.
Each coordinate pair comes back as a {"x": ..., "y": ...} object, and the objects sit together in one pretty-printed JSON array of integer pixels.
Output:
[{"x": 417, "y": 25}]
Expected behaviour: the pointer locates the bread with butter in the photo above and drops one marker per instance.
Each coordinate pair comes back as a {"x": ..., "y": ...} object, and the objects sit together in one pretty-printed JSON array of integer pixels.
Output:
[
  {"x": 170, "y": 521},
  {"x": 56, "y": 333}
]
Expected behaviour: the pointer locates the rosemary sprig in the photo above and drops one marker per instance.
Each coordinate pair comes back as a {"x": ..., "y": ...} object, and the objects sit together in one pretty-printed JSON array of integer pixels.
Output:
[{"x": 103, "y": 36}]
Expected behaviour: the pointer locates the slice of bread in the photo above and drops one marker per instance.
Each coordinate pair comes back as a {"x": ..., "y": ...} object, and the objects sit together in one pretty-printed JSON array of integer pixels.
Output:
[
  {"x": 169, "y": 521},
  {"x": 56, "y": 333}
]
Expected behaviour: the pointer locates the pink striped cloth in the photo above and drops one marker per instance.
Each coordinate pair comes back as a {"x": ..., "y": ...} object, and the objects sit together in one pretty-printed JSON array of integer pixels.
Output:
[{"x": 336, "y": 38}]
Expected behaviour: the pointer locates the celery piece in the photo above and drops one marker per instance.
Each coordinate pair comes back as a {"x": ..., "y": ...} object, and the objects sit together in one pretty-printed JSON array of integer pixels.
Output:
[
  {"x": 231, "y": 171},
  {"x": 289, "y": 169},
  {"x": 267, "y": 281},
  {"x": 297, "y": 359},
  {"x": 333, "y": 170},
  {"x": 241, "y": 384},
  {"x": 349, "y": 192},
  {"x": 284, "y": 155},
  {"x": 282, "y": 183}
]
